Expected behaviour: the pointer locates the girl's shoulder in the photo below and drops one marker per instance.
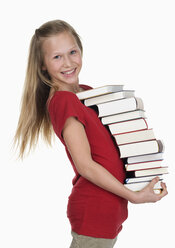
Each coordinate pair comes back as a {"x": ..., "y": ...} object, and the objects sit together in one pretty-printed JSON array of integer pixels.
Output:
[
  {"x": 63, "y": 105},
  {"x": 61, "y": 99},
  {"x": 64, "y": 96},
  {"x": 85, "y": 87}
]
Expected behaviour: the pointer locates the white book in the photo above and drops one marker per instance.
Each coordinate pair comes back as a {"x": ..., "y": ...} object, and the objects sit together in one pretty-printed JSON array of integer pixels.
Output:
[
  {"x": 99, "y": 91},
  {"x": 140, "y": 148},
  {"x": 128, "y": 126},
  {"x": 144, "y": 158},
  {"x": 123, "y": 117},
  {"x": 141, "y": 179},
  {"x": 120, "y": 106},
  {"x": 143, "y": 165},
  {"x": 109, "y": 97},
  {"x": 136, "y": 136},
  {"x": 141, "y": 185}
]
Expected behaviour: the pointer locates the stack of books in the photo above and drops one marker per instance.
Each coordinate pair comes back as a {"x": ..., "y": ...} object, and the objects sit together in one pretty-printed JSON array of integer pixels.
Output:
[{"x": 124, "y": 115}]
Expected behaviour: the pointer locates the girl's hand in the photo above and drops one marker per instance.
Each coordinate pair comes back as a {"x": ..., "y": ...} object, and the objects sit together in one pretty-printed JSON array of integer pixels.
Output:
[{"x": 148, "y": 195}]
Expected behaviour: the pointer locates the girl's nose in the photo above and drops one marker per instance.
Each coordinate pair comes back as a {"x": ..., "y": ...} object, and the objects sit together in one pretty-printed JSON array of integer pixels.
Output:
[{"x": 67, "y": 61}]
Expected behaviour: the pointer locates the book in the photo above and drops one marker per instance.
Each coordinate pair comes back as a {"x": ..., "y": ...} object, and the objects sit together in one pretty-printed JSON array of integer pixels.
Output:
[
  {"x": 143, "y": 165},
  {"x": 148, "y": 172},
  {"x": 125, "y": 117},
  {"x": 120, "y": 106},
  {"x": 139, "y": 186},
  {"x": 109, "y": 97},
  {"x": 136, "y": 136},
  {"x": 141, "y": 179},
  {"x": 136, "y": 114},
  {"x": 144, "y": 158},
  {"x": 140, "y": 148},
  {"x": 128, "y": 126},
  {"x": 99, "y": 91}
]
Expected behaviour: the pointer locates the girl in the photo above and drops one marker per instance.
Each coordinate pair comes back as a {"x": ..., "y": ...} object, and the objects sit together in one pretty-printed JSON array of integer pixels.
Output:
[{"x": 97, "y": 206}]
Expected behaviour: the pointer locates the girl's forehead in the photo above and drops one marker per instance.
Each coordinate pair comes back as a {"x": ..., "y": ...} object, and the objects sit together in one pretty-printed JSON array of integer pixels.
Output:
[{"x": 59, "y": 42}]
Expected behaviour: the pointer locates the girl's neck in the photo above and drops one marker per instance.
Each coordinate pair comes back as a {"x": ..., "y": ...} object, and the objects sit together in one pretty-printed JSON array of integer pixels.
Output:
[{"x": 72, "y": 88}]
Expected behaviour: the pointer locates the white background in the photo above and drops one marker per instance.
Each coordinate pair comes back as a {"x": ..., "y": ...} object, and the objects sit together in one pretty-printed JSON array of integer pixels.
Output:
[{"x": 125, "y": 42}]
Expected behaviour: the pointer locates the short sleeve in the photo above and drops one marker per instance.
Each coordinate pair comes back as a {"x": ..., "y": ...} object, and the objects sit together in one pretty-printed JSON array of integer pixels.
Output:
[{"x": 65, "y": 104}]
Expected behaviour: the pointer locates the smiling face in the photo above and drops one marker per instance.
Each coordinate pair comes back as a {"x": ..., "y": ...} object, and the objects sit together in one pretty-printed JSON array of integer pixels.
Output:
[{"x": 62, "y": 60}]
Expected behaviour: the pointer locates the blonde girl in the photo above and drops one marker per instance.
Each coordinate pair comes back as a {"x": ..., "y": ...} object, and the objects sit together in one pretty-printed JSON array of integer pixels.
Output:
[{"x": 97, "y": 206}]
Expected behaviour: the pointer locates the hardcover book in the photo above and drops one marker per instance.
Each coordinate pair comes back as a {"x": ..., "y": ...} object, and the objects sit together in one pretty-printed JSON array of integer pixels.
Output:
[{"x": 99, "y": 91}]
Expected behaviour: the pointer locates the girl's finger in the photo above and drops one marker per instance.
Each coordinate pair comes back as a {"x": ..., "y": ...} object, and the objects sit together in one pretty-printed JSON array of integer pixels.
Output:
[
  {"x": 153, "y": 182},
  {"x": 164, "y": 190}
]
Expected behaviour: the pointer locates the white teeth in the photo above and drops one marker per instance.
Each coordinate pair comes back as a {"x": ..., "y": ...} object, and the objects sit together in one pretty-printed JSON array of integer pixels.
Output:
[{"x": 68, "y": 72}]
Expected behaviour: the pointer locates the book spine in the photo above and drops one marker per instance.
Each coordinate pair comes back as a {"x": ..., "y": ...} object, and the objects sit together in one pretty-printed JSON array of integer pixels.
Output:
[
  {"x": 139, "y": 103},
  {"x": 161, "y": 145}
]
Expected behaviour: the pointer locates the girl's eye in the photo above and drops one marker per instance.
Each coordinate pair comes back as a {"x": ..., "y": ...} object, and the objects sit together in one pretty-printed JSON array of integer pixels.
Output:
[
  {"x": 57, "y": 57},
  {"x": 73, "y": 52}
]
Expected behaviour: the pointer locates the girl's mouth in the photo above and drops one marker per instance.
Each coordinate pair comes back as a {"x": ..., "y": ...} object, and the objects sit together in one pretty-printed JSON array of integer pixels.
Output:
[{"x": 69, "y": 72}]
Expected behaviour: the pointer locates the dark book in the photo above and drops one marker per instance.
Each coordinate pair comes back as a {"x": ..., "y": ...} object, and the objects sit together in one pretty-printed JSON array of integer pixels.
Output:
[
  {"x": 147, "y": 172},
  {"x": 144, "y": 158},
  {"x": 142, "y": 179}
]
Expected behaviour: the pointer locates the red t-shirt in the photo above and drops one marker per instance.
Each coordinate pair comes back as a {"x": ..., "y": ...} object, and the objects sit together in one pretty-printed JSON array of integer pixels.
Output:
[{"x": 92, "y": 211}]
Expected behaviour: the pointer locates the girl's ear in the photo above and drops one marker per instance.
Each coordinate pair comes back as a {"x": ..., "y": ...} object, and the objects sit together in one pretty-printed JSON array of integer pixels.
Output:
[{"x": 43, "y": 68}]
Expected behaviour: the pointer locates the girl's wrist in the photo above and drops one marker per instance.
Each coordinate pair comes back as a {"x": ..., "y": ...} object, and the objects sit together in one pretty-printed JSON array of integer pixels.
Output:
[{"x": 134, "y": 197}]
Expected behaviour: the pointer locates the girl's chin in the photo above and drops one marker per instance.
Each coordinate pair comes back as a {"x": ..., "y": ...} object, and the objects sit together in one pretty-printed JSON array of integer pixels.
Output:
[{"x": 70, "y": 80}]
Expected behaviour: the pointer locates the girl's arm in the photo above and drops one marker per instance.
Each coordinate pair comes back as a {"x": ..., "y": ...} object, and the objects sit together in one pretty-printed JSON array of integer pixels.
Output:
[{"x": 77, "y": 143}]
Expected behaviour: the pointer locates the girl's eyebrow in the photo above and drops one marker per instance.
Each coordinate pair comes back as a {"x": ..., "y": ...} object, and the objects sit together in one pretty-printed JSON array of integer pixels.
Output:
[
  {"x": 73, "y": 47},
  {"x": 57, "y": 52}
]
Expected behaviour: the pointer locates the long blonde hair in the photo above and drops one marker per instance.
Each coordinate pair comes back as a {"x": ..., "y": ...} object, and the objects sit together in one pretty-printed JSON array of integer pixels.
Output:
[{"x": 34, "y": 118}]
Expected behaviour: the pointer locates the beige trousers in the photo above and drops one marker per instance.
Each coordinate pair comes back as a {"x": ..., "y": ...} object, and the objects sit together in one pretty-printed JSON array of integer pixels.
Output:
[{"x": 81, "y": 241}]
